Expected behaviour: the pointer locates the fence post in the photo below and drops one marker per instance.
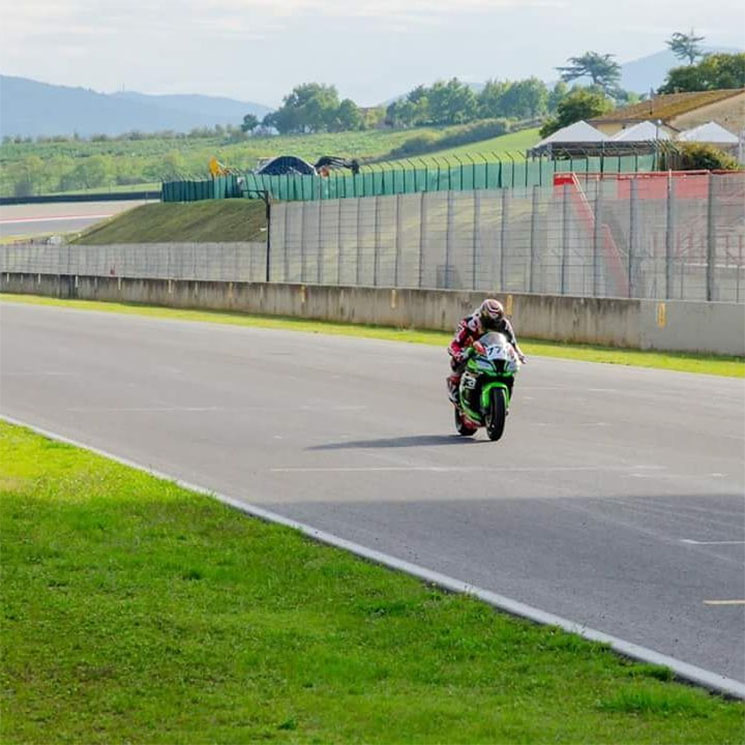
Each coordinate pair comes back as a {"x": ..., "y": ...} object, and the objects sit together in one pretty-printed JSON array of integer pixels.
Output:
[
  {"x": 669, "y": 236},
  {"x": 449, "y": 236},
  {"x": 359, "y": 243},
  {"x": 597, "y": 238},
  {"x": 319, "y": 252},
  {"x": 422, "y": 235},
  {"x": 564, "y": 238},
  {"x": 399, "y": 231},
  {"x": 633, "y": 235},
  {"x": 533, "y": 231},
  {"x": 476, "y": 235},
  {"x": 303, "y": 233},
  {"x": 338, "y": 244},
  {"x": 711, "y": 242},
  {"x": 376, "y": 256},
  {"x": 268, "y": 241},
  {"x": 286, "y": 208},
  {"x": 504, "y": 235}
]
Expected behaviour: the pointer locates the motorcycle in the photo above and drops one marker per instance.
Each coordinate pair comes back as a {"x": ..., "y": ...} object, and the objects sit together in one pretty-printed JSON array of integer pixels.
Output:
[{"x": 486, "y": 386}]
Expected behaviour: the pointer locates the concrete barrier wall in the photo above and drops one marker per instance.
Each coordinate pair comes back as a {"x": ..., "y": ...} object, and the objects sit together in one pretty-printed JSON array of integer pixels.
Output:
[{"x": 715, "y": 328}]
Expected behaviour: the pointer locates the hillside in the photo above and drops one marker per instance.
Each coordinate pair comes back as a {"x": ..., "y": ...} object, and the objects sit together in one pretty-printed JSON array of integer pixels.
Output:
[
  {"x": 31, "y": 108},
  {"x": 515, "y": 143},
  {"x": 100, "y": 166},
  {"x": 224, "y": 221}
]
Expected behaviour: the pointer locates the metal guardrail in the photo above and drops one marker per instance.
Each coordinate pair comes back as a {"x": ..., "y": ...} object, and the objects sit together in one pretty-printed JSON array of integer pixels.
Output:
[{"x": 92, "y": 197}]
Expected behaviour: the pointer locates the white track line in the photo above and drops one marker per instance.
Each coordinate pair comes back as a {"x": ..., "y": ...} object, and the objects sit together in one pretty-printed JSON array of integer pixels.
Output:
[
  {"x": 469, "y": 469},
  {"x": 691, "y": 542},
  {"x": 705, "y": 678},
  {"x": 14, "y": 220}
]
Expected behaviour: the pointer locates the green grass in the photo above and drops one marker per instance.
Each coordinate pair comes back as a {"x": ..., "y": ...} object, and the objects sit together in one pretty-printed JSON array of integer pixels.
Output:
[
  {"x": 134, "y": 611},
  {"x": 515, "y": 143},
  {"x": 677, "y": 361},
  {"x": 222, "y": 220},
  {"x": 148, "y": 160}
]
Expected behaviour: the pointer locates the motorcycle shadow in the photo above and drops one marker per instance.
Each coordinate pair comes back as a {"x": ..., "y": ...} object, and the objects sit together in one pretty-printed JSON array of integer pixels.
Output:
[{"x": 412, "y": 441}]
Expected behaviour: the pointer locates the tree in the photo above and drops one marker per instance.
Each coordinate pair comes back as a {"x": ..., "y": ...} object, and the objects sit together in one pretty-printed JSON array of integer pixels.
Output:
[
  {"x": 250, "y": 122},
  {"x": 372, "y": 117},
  {"x": 310, "y": 107},
  {"x": 173, "y": 166},
  {"x": 581, "y": 104},
  {"x": 713, "y": 72},
  {"x": 27, "y": 176},
  {"x": 525, "y": 99},
  {"x": 602, "y": 69},
  {"x": 451, "y": 103},
  {"x": 685, "y": 46},
  {"x": 490, "y": 99},
  {"x": 558, "y": 93},
  {"x": 347, "y": 117},
  {"x": 698, "y": 156}
]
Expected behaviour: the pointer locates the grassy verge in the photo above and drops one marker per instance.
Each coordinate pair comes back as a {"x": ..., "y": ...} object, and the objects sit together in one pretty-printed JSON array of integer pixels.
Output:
[
  {"x": 221, "y": 220},
  {"x": 681, "y": 362},
  {"x": 515, "y": 143},
  {"x": 135, "y": 611}
]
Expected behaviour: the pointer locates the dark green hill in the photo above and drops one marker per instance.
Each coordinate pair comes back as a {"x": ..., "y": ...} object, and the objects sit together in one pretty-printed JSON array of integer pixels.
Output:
[{"x": 213, "y": 221}]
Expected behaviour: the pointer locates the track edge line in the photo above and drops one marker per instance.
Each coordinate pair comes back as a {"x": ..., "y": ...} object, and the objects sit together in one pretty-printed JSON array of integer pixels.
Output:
[{"x": 685, "y": 671}]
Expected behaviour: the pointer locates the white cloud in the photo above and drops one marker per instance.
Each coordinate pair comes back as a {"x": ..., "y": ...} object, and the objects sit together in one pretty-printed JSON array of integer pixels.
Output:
[{"x": 380, "y": 8}]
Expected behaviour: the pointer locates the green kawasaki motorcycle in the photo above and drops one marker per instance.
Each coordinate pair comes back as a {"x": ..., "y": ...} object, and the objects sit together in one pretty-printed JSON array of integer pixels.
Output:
[{"x": 486, "y": 386}]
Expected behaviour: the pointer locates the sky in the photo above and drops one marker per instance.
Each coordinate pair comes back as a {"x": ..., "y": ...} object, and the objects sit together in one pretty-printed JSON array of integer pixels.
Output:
[{"x": 372, "y": 50}]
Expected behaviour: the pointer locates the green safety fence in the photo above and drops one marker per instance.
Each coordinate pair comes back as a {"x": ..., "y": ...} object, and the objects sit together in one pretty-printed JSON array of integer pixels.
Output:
[{"x": 400, "y": 179}]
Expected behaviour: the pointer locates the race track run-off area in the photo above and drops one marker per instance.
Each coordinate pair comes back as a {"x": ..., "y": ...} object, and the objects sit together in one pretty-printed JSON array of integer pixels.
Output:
[{"x": 614, "y": 499}]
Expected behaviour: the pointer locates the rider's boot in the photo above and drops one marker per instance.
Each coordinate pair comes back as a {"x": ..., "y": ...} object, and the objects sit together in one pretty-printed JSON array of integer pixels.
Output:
[{"x": 453, "y": 382}]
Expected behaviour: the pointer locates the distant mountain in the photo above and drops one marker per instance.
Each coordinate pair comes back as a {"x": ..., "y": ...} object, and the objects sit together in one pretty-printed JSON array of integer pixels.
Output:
[
  {"x": 30, "y": 108},
  {"x": 641, "y": 75}
]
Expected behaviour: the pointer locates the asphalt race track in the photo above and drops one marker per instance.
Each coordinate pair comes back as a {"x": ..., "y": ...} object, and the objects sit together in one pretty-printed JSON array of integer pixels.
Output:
[
  {"x": 28, "y": 220},
  {"x": 615, "y": 498}
]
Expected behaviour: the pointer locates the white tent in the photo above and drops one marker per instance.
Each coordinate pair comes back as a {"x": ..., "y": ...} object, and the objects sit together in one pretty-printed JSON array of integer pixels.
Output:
[
  {"x": 709, "y": 132},
  {"x": 577, "y": 132},
  {"x": 641, "y": 132}
]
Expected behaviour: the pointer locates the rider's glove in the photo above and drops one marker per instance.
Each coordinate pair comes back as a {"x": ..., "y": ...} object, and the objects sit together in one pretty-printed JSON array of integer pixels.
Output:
[{"x": 466, "y": 354}]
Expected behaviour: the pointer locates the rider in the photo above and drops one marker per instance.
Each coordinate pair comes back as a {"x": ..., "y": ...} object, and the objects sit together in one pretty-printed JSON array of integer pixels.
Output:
[{"x": 489, "y": 316}]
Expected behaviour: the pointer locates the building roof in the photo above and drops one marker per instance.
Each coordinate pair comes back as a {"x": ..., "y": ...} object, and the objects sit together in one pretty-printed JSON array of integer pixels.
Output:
[
  {"x": 667, "y": 107},
  {"x": 641, "y": 132},
  {"x": 577, "y": 132},
  {"x": 709, "y": 132}
]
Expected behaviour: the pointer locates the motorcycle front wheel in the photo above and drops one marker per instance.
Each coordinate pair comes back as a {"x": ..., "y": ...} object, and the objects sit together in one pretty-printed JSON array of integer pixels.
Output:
[{"x": 496, "y": 413}]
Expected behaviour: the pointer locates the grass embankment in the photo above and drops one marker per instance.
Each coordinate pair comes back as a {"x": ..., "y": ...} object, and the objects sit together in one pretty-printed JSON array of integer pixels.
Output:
[
  {"x": 515, "y": 143},
  {"x": 220, "y": 221},
  {"x": 677, "y": 361},
  {"x": 135, "y": 611}
]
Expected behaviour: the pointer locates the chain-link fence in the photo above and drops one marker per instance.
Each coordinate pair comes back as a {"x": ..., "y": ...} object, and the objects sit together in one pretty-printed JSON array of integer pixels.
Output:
[
  {"x": 644, "y": 236},
  {"x": 647, "y": 237},
  {"x": 231, "y": 262}
]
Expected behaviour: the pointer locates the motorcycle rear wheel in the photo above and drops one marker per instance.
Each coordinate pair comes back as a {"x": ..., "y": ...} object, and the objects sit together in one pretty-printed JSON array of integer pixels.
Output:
[
  {"x": 496, "y": 413},
  {"x": 464, "y": 429}
]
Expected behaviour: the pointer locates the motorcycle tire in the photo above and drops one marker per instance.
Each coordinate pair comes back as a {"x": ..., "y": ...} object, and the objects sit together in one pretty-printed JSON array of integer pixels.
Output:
[
  {"x": 462, "y": 428},
  {"x": 496, "y": 414}
]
